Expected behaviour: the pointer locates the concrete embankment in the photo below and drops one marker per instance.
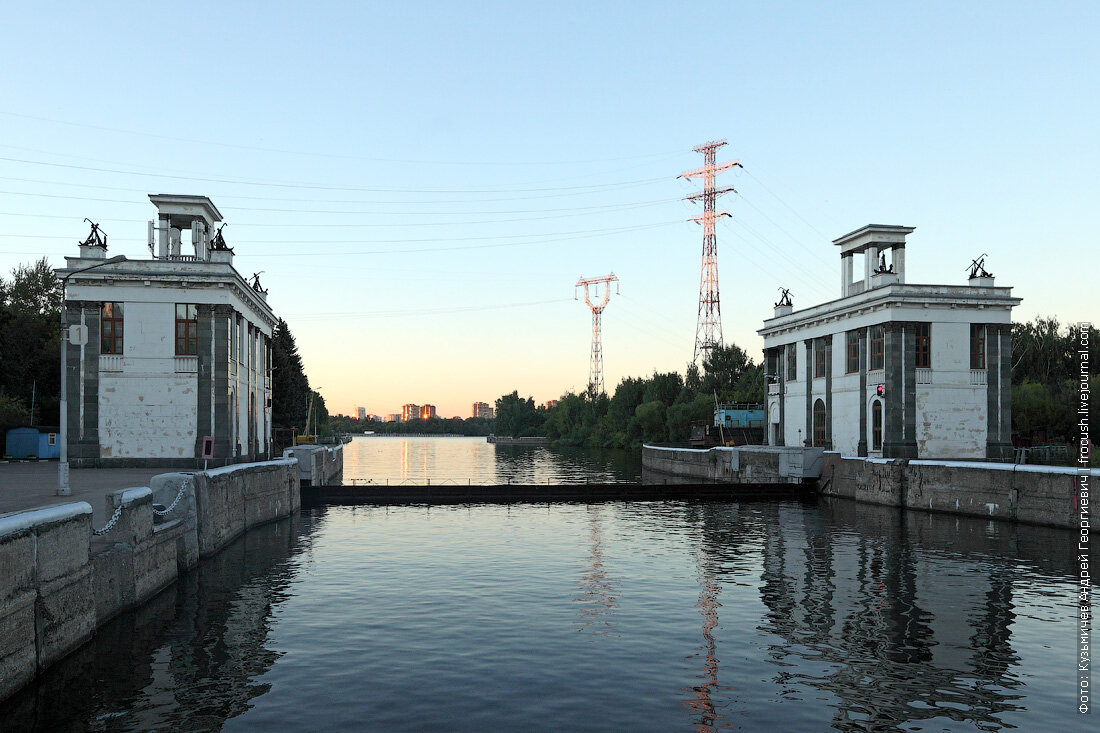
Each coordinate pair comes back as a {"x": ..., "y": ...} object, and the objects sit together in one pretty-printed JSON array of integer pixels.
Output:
[
  {"x": 747, "y": 465},
  {"x": 60, "y": 581},
  {"x": 319, "y": 465},
  {"x": 1047, "y": 495}
]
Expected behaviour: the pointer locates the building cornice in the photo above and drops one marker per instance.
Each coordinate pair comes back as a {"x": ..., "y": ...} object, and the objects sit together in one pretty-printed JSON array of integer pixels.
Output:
[
  {"x": 891, "y": 296},
  {"x": 171, "y": 273}
]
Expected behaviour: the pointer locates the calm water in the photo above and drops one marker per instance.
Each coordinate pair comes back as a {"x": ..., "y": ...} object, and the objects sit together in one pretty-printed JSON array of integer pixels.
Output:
[
  {"x": 461, "y": 460},
  {"x": 776, "y": 616}
]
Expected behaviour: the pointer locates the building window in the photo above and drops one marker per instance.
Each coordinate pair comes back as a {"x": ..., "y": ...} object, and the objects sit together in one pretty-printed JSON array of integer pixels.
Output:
[
  {"x": 853, "y": 351},
  {"x": 876, "y": 425},
  {"x": 924, "y": 346},
  {"x": 819, "y": 358},
  {"x": 977, "y": 346},
  {"x": 110, "y": 328},
  {"x": 187, "y": 329},
  {"x": 878, "y": 347},
  {"x": 792, "y": 362},
  {"x": 819, "y": 424},
  {"x": 51, "y": 438}
]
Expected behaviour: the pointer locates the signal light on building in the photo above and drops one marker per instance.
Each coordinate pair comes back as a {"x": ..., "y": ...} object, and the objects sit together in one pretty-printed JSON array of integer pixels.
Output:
[{"x": 880, "y": 390}]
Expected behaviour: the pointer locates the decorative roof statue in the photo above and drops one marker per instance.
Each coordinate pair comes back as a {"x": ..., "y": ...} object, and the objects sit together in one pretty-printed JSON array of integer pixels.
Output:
[
  {"x": 882, "y": 268},
  {"x": 96, "y": 238},
  {"x": 784, "y": 297},
  {"x": 217, "y": 243},
  {"x": 256, "y": 283},
  {"x": 977, "y": 267}
]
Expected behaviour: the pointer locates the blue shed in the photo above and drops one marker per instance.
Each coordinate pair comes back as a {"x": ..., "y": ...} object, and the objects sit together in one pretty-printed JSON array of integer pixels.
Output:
[{"x": 33, "y": 443}]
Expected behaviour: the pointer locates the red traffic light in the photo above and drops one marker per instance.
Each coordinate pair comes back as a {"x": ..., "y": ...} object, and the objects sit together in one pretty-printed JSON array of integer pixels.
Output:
[{"x": 880, "y": 391}]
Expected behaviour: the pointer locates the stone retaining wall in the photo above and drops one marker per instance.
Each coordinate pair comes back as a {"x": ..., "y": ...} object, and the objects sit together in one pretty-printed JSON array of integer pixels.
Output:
[
  {"x": 59, "y": 582},
  {"x": 755, "y": 465},
  {"x": 1034, "y": 494}
]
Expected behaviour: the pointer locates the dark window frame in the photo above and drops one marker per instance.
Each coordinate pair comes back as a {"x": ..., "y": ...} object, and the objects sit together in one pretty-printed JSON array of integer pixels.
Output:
[
  {"x": 853, "y": 352},
  {"x": 978, "y": 346},
  {"x": 877, "y": 349},
  {"x": 876, "y": 424},
  {"x": 187, "y": 329},
  {"x": 924, "y": 346},
  {"x": 792, "y": 362},
  {"x": 819, "y": 358},
  {"x": 111, "y": 328},
  {"x": 819, "y": 424}
]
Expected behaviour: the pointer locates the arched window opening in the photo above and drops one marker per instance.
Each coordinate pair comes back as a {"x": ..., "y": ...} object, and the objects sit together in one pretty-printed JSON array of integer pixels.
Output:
[
  {"x": 876, "y": 425},
  {"x": 819, "y": 424}
]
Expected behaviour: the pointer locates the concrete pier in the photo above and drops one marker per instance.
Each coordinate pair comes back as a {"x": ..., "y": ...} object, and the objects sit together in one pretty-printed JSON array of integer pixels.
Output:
[
  {"x": 1046, "y": 495},
  {"x": 60, "y": 581}
]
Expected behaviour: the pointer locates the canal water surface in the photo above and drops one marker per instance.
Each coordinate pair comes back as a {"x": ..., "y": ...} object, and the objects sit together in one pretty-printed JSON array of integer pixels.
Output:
[{"x": 780, "y": 616}]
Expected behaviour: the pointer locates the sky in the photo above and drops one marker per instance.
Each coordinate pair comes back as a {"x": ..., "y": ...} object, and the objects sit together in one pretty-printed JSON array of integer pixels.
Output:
[{"x": 421, "y": 184}]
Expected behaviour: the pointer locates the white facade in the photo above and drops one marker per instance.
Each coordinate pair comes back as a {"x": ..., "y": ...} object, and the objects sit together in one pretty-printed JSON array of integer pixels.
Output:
[
  {"x": 905, "y": 370},
  {"x": 181, "y": 353}
]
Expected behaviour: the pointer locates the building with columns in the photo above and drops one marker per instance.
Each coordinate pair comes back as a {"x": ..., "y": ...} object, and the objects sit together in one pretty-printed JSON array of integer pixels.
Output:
[
  {"x": 893, "y": 369},
  {"x": 177, "y": 350}
]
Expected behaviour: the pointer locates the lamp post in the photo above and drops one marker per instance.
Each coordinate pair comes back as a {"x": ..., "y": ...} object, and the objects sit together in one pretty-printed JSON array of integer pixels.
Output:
[{"x": 63, "y": 488}]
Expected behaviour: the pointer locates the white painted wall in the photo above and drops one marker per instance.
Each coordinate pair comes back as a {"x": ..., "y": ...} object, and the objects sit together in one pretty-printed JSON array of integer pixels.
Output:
[
  {"x": 148, "y": 410},
  {"x": 951, "y": 412}
]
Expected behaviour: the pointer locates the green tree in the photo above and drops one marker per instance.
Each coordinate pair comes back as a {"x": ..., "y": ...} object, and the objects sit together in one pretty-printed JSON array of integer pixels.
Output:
[
  {"x": 516, "y": 416},
  {"x": 30, "y": 344},
  {"x": 289, "y": 384}
]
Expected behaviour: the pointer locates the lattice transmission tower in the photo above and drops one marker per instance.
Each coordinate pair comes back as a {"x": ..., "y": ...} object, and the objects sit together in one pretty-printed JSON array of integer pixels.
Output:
[
  {"x": 595, "y": 367},
  {"x": 708, "y": 327}
]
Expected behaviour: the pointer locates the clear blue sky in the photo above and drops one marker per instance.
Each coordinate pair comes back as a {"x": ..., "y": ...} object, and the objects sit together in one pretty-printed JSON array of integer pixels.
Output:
[{"x": 422, "y": 183}]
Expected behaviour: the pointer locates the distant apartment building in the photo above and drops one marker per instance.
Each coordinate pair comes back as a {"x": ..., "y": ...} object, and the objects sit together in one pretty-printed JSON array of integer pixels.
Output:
[
  {"x": 550, "y": 404},
  {"x": 427, "y": 412},
  {"x": 482, "y": 410},
  {"x": 410, "y": 412},
  {"x": 361, "y": 413},
  {"x": 171, "y": 351}
]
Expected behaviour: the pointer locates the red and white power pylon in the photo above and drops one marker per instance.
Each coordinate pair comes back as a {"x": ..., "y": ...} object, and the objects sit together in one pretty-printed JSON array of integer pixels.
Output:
[
  {"x": 708, "y": 327},
  {"x": 595, "y": 367}
]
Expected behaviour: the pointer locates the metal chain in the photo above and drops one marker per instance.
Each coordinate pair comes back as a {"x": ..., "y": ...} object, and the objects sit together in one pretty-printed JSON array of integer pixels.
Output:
[
  {"x": 174, "y": 502},
  {"x": 110, "y": 522}
]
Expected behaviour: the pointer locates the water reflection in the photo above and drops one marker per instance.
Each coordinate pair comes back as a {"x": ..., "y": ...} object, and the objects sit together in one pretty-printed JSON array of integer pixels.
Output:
[
  {"x": 784, "y": 616},
  {"x": 596, "y": 601},
  {"x": 900, "y": 617},
  {"x": 187, "y": 660},
  {"x": 396, "y": 459}
]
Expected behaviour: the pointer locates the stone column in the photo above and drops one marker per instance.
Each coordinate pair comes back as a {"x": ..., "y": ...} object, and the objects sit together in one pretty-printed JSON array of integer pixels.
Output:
[
  {"x": 82, "y": 383},
  {"x": 998, "y": 364},
  {"x": 808, "y": 437},
  {"x": 222, "y": 403},
  {"x": 205, "y": 414},
  {"x": 861, "y": 447},
  {"x": 899, "y": 432},
  {"x": 782, "y": 439},
  {"x": 829, "y": 392}
]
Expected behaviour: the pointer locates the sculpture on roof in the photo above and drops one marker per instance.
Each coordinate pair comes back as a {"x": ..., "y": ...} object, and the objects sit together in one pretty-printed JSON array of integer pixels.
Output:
[
  {"x": 256, "y": 283},
  {"x": 784, "y": 297},
  {"x": 882, "y": 268},
  {"x": 217, "y": 243},
  {"x": 96, "y": 238},
  {"x": 977, "y": 267}
]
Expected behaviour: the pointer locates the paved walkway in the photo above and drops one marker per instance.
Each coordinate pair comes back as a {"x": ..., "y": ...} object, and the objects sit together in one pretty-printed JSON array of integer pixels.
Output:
[{"x": 32, "y": 484}]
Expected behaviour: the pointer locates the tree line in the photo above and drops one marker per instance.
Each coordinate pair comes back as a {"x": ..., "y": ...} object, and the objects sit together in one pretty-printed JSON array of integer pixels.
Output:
[
  {"x": 653, "y": 409},
  {"x": 1046, "y": 379}
]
